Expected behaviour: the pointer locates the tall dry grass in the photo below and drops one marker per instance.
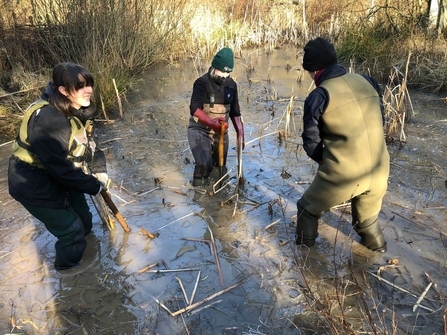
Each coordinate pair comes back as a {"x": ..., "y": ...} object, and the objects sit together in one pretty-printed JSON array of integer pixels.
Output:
[{"x": 118, "y": 39}]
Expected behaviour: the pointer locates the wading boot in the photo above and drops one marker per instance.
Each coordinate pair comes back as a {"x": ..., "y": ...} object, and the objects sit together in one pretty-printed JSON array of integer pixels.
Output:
[
  {"x": 197, "y": 182},
  {"x": 371, "y": 234},
  {"x": 306, "y": 226}
]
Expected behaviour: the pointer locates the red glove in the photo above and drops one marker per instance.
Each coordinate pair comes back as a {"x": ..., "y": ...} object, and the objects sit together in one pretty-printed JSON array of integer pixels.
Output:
[
  {"x": 218, "y": 124},
  {"x": 239, "y": 126}
]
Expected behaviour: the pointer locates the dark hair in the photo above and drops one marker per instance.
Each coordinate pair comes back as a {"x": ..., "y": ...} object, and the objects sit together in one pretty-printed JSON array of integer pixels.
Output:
[{"x": 73, "y": 77}]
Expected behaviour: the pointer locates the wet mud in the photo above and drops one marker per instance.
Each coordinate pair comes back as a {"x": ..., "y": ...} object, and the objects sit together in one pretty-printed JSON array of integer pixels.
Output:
[{"x": 225, "y": 262}]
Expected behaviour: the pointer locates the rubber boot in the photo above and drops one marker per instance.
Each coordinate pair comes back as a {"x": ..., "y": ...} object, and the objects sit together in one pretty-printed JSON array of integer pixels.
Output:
[
  {"x": 70, "y": 246},
  {"x": 306, "y": 226},
  {"x": 371, "y": 234},
  {"x": 87, "y": 223},
  {"x": 200, "y": 177},
  {"x": 200, "y": 182}
]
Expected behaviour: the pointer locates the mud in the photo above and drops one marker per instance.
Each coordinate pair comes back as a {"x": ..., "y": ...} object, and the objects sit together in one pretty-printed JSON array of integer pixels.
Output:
[{"x": 278, "y": 288}]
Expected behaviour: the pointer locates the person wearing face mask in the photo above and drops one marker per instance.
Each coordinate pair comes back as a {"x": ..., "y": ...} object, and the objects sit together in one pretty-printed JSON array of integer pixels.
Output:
[
  {"x": 214, "y": 101},
  {"x": 50, "y": 156}
]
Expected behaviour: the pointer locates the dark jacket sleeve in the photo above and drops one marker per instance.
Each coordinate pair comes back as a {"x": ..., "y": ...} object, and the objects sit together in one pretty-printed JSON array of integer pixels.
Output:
[
  {"x": 198, "y": 96},
  {"x": 235, "y": 109},
  {"x": 314, "y": 107},
  {"x": 377, "y": 87},
  {"x": 49, "y": 134}
]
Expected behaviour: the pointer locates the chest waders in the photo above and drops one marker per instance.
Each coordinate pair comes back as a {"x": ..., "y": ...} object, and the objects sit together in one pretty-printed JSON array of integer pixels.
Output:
[
  {"x": 204, "y": 141},
  {"x": 364, "y": 181}
]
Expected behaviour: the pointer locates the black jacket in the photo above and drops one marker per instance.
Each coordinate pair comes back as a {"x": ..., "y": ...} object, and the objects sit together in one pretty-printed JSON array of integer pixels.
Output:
[
  {"x": 224, "y": 94},
  {"x": 48, "y": 133}
]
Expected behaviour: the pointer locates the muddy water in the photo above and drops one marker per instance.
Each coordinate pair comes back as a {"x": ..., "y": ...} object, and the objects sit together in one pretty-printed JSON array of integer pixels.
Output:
[{"x": 238, "y": 276}]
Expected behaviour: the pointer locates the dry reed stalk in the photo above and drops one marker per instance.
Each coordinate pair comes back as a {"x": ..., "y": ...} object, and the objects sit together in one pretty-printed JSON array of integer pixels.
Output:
[
  {"x": 195, "y": 288},
  {"x": 219, "y": 184},
  {"x": 147, "y": 268},
  {"x": 6, "y": 143},
  {"x": 103, "y": 108},
  {"x": 399, "y": 288},
  {"x": 188, "y": 308},
  {"x": 416, "y": 305},
  {"x": 173, "y": 270},
  {"x": 288, "y": 115},
  {"x": 262, "y": 136},
  {"x": 118, "y": 99},
  {"x": 216, "y": 256},
  {"x": 183, "y": 217},
  {"x": 195, "y": 239},
  {"x": 148, "y": 234},
  {"x": 165, "y": 264},
  {"x": 183, "y": 290},
  {"x": 162, "y": 305},
  {"x": 272, "y": 224},
  {"x": 150, "y": 191}
]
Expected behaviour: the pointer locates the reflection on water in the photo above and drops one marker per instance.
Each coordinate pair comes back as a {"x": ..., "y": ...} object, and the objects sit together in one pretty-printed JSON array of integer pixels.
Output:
[{"x": 209, "y": 241}]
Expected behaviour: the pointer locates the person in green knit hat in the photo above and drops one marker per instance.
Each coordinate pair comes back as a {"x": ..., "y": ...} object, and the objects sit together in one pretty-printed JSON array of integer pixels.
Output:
[
  {"x": 343, "y": 132},
  {"x": 214, "y": 101}
]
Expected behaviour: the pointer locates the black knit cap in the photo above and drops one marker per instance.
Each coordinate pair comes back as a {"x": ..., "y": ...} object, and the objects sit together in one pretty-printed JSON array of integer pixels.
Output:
[
  {"x": 319, "y": 54},
  {"x": 224, "y": 60}
]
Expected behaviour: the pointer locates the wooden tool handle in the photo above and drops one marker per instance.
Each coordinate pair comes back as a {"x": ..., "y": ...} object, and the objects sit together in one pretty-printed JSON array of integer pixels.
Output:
[
  {"x": 221, "y": 144},
  {"x": 108, "y": 199}
]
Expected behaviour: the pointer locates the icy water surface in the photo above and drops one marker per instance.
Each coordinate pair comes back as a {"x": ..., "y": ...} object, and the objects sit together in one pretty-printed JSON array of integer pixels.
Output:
[{"x": 226, "y": 262}]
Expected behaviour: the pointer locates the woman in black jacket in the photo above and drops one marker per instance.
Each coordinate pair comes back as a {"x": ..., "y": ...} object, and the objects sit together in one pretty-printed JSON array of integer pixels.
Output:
[
  {"x": 51, "y": 157},
  {"x": 214, "y": 101}
]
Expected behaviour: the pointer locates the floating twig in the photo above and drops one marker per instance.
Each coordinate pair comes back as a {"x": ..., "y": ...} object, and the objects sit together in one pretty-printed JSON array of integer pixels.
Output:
[
  {"x": 174, "y": 270},
  {"x": 163, "y": 306},
  {"x": 195, "y": 288},
  {"x": 150, "y": 191},
  {"x": 150, "y": 235},
  {"x": 183, "y": 289},
  {"x": 165, "y": 264},
  {"x": 183, "y": 217},
  {"x": 195, "y": 239},
  {"x": 272, "y": 224},
  {"x": 416, "y": 305},
  {"x": 212, "y": 296},
  {"x": 399, "y": 288},
  {"x": 216, "y": 257},
  {"x": 148, "y": 267}
]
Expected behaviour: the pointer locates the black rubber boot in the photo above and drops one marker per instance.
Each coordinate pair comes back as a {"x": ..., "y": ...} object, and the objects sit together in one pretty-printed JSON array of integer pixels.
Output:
[
  {"x": 371, "y": 234},
  {"x": 306, "y": 225},
  {"x": 70, "y": 246},
  {"x": 87, "y": 223}
]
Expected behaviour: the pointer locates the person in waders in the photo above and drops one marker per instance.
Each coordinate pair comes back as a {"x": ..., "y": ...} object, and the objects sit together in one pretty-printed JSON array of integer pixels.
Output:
[
  {"x": 343, "y": 132},
  {"x": 51, "y": 154},
  {"x": 214, "y": 101}
]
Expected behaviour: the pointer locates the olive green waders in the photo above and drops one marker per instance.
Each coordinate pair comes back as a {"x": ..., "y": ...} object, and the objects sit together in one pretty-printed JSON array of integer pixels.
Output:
[
  {"x": 355, "y": 161},
  {"x": 365, "y": 209},
  {"x": 69, "y": 225}
]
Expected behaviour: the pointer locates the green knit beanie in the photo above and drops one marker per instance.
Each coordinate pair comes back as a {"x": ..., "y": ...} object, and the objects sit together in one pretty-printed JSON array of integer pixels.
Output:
[{"x": 224, "y": 60}]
